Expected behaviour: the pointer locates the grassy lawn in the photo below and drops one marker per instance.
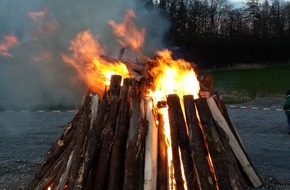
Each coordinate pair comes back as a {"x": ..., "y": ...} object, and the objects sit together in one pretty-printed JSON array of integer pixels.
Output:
[{"x": 241, "y": 85}]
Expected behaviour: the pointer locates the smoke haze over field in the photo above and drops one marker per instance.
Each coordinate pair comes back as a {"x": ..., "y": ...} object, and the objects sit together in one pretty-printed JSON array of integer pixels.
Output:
[{"x": 35, "y": 74}]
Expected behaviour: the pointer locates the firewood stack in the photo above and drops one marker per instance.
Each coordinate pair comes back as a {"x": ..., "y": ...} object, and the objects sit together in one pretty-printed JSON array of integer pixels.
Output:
[{"x": 118, "y": 142}]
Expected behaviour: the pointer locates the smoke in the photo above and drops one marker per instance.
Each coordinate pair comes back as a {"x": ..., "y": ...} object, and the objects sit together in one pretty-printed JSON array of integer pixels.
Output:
[{"x": 35, "y": 75}]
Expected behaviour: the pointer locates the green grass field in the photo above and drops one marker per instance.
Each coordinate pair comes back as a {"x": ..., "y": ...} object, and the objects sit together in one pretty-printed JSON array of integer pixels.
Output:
[{"x": 245, "y": 84}]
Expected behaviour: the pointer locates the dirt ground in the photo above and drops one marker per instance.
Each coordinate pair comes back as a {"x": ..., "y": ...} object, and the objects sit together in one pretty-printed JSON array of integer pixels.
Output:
[{"x": 25, "y": 137}]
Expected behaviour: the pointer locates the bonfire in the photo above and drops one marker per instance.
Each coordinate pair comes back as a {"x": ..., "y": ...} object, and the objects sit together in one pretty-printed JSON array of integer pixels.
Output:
[{"x": 143, "y": 124}]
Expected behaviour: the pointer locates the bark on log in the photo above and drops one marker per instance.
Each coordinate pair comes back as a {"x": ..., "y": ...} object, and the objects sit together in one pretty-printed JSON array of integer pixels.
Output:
[
  {"x": 237, "y": 178},
  {"x": 216, "y": 150},
  {"x": 234, "y": 144},
  {"x": 57, "y": 150},
  {"x": 199, "y": 151},
  {"x": 51, "y": 174},
  {"x": 102, "y": 167},
  {"x": 94, "y": 143},
  {"x": 58, "y": 153},
  {"x": 52, "y": 157},
  {"x": 117, "y": 162},
  {"x": 64, "y": 174},
  {"x": 135, "y": 143},
  {"x": 178, "y": 126},
  {"x": 79, "y": 140}
]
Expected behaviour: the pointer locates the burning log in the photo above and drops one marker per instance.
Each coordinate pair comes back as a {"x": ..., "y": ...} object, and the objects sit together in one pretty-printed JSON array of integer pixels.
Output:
[
  {"x": 178, "y": 128},
  {"x": 162, "y": 174},
  {"x": 173, "y": 120}
]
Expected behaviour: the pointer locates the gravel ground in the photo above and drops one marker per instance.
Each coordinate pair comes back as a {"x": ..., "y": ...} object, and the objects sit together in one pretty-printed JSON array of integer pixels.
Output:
[{"x": 25, "y": 137}]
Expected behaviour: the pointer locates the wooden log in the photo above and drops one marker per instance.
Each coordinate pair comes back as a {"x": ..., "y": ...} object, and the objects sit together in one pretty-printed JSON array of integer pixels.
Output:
[
  {"x": 178, "y": 128},
  {"x": 117, "y": 162},
  {"x": 175, "y": 147},
  {"x": 198, "y": 148},
  {"x": 115, "y": 85},
  {"x": 102, "y": 167},
  {"x": 135, "y": 143},
  {"x": 64, "y": 174},
  {"x": 238, "y": 151},
  {"x": 220, "y": 103},
  {"x": 48, "y": 179},
  {"x": 150, "y": 166},
  {"x": 52, "y": 157},
  {"x": 88, "y": 154},
  {"x": 91, "y": 147},
  {"x": 237, "y": 178},
  {"x": 162, "y": 169},
  {"x": 57, "y": 149},
  {"x": 56, "y": 153},
  {"x": 214, "y": 145},
  {"x": 79, "y": 139}
]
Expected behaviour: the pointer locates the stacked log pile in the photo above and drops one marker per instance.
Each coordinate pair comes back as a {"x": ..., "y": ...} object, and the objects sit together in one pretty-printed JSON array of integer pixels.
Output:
[{"x": 118, "y": 142}]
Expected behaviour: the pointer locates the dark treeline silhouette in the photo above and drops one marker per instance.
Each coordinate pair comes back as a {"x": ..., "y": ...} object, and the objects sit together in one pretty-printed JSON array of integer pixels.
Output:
[{"x": 216, "y": 33}]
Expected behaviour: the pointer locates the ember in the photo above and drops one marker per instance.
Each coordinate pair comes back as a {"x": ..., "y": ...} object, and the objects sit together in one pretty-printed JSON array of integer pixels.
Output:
[{"x": 154, "y": 133}]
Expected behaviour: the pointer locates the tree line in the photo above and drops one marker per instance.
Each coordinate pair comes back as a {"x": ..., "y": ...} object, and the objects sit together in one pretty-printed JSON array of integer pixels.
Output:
[{"x": 218, "y": 33}]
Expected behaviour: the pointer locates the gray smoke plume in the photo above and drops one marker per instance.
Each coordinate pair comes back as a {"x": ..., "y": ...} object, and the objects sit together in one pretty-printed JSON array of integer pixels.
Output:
[{"x": 35, "y": 75}]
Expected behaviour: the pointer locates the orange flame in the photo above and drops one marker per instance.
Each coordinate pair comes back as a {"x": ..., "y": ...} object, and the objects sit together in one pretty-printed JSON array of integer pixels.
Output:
[
  {"x": 86, "y": 54},
  {"x": 128, "y": 34},
  {"x": 9, "y": 42},
  {"x": 91, "y": 68},
  {"x": 173, "y": 77}
]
